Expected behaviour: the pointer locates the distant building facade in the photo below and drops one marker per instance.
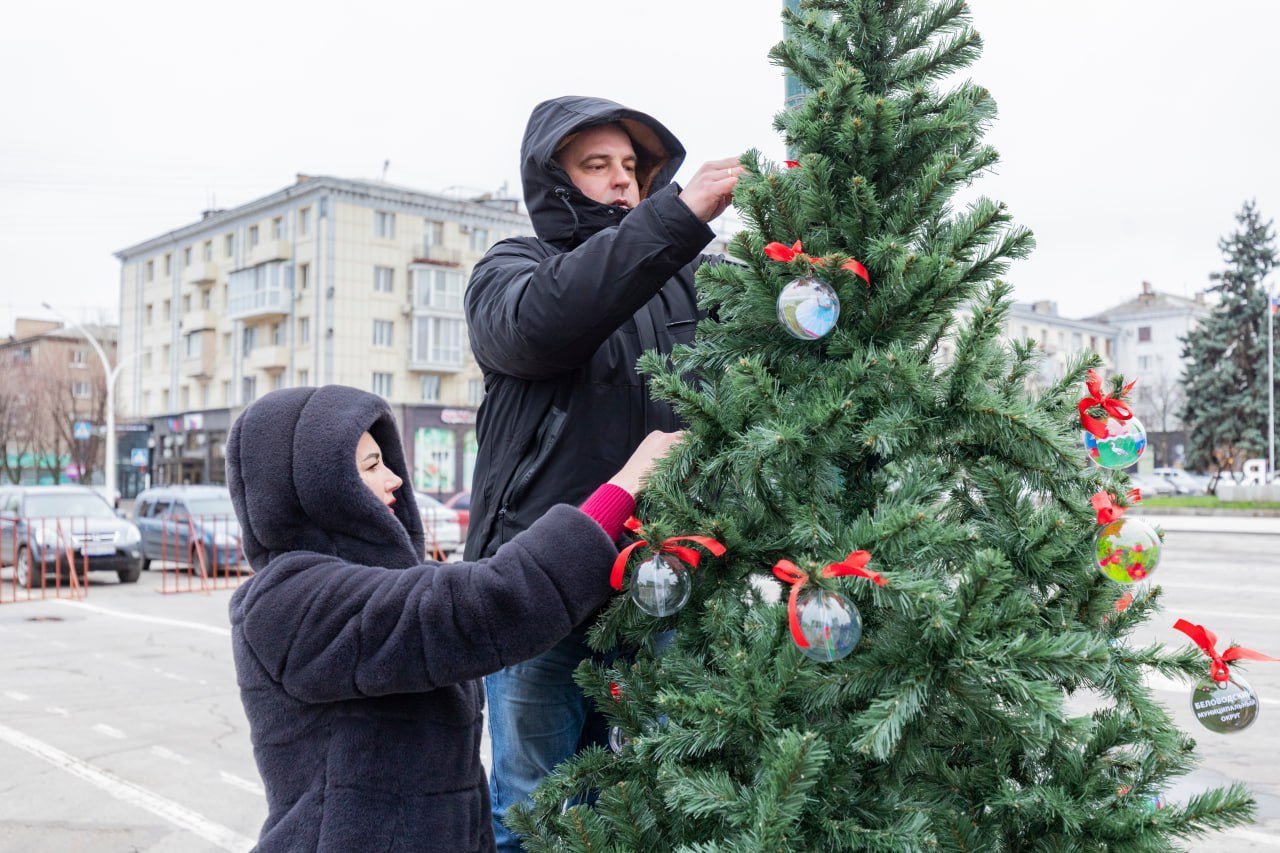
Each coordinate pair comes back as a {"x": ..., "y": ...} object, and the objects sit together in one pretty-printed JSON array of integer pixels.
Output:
[
  {"x": 329, "y": 280},
  {"x": 1059, "y": 338}
]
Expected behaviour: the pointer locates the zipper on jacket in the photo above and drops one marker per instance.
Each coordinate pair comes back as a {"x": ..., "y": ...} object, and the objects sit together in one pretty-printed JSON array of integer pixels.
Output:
[
  {"x": 543, "y": 444},
  {"x": 563, "y": 194}
]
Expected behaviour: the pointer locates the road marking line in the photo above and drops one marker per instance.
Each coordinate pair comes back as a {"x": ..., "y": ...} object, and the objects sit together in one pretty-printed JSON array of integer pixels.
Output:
[
  {"x": 243, "y": 784},
  {"x": 58, "y": 712},
  {"x": 1175, "y": 586},
  {"x": 1255, "y": 837},
  {"x": 169, "y": 755},
  {"x": 158, "y": 671},
  {"x": 162, "y": 807},
  {"x": 138, "y": 617},
  {"x": 109, "y": 731},
  {"x": 1225, "y": 614},
  {"x": 16, "y": 696}
]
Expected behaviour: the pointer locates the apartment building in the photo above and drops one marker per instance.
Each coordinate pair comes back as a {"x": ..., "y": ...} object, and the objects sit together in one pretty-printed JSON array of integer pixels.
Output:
[
  {"x": 329, "y": 280},
  {"x": 1060, "y": 338}
]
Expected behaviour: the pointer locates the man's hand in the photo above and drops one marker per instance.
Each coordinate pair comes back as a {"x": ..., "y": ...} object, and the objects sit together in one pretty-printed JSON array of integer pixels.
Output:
[
  {"x": 710, "y": 191},
  {"x": 635, "y": 473}
]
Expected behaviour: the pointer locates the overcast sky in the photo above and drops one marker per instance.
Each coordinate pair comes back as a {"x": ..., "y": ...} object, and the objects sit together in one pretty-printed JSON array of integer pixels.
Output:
[{"x": 1130, "y": 132}]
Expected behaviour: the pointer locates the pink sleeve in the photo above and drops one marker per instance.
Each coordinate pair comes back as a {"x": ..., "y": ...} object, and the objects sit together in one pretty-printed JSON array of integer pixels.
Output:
[{"x": 610, "y": 506}]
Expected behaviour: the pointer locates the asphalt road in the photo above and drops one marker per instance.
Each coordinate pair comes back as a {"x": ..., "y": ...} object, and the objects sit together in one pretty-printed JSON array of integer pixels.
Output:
[{"x": 121, "y": 727}]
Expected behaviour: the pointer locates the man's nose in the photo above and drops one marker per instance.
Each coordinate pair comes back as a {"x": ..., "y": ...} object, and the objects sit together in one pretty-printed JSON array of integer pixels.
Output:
[{"x": 621, "y": 177}]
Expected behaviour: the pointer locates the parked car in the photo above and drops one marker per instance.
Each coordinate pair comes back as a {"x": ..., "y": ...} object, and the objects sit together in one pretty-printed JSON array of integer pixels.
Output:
[
  {"x": 440, "y": 524},
  {"x": 1152, "y": 486},
  {"x": 1182, "y": 482},
  {"x": 190, "y": 525},
  {"x": 461, "y": 504},
  {"x": 42, "y": 526}
]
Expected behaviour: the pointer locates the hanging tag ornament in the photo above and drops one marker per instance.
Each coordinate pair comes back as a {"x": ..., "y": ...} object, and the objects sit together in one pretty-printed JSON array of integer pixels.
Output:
[
  {"x": 808, "y": 307},
  {"x": 1127, "y": 550},
  {"x": 660, "y": 585},
  {"x": 1223, "y": 702},
  {"x": 823, "y": 624},
  {"x": 1115, "y": 439}
]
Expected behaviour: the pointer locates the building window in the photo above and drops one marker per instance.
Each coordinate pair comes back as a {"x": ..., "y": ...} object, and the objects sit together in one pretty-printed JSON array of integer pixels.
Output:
[
  {"x": 229, "y": 245},
  {"x": 383, "y": 279},
  {"x": 304, "y": 221},
  {"x": 1144, "y": 334},
  {"x": 146, "y": 360},
  {"x": 304, "y": 330},
  {"x": 435, "y": 233},
  {"x": 438, "y": 327},
  {"x": 1144, "y": 362},
  {"x": 208, "y": 250},
  {"x": 382, "y": 384},
  {"x": 248, "y": 339},
  {"x": 77, "y": 357},
  {"x": 438, "y": 340},
  {"x": 430, "y": 389},
  {"x": 206, "y": 299},
  {"x": 150, "y": 273},
  {"x": 248, "y": 389},
  {"x": 186, "y": 257},
  {"x": 226, "y": 343},
  {"x": 304, "y": 377},
  {"x": 304, "y": 276},
  {"x": 277, "y": 228},
  {"x": 146, "y": 401},
  {"x": 475, "y": 391},
  {"x": 438, "y": 290},
  {"x": 185, "y": 396},
  {"x": 382, "y": 333},
  {"x": 191, "y": 345},
  {"x": 384, "y": 224},
  {"x": 186, "y": 303},
  {"x": 226, "y": 393},
  {"x": 168, "y": 310},
  {"x": 165, "y": 360},
  {"x": 80, "y": 390},
  {"x": 253, "y": 236},
  {"x": 277, "y": 334},
  {"x": 150, "y": 314},
  {"x": 479, "y": 239},
  {"x": 277, "y": 381},
  {"x": 168, "y": 264}
]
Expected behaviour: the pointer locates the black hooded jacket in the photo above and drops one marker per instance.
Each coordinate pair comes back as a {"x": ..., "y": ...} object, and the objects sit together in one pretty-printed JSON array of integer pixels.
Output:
[
  {"x": 558, "y": 321},
  {"x": 357, "y": 663}
]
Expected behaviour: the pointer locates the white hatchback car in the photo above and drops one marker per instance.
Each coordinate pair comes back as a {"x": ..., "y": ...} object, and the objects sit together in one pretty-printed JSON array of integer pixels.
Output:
[{"x": 440, "y": 524}]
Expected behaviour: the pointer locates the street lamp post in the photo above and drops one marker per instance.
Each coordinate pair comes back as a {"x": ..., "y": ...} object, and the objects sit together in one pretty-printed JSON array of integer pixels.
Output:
[
  {"x": 112, "y": 373},
  {"x": 1271, "y": 387}
]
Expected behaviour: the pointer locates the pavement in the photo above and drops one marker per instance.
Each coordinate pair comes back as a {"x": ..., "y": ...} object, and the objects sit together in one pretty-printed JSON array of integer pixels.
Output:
[{"x": 1215, "y": 523}]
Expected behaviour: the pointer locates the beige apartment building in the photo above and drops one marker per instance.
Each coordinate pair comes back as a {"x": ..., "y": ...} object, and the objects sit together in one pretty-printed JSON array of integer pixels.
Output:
[{"x": 329, "y": 280}]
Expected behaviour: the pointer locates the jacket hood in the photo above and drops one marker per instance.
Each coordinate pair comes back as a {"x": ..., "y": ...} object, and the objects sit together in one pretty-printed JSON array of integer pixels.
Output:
[
  {"x": 291, "y": 468},
  {"x": 561, "y": 214}
]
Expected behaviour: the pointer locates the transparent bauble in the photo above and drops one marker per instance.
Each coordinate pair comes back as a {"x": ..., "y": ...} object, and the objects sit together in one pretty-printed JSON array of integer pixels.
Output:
[
  {"x": 1127, "y": 550},
  {"x": 618, "y": 739},
  {"x": 1225, "y": 707},
  {"x": 1122, "y": 445},
  {"x": 660, "y": 585},
  {"x": 831, "y": 624},
  {"x": 808, "y": 308}
]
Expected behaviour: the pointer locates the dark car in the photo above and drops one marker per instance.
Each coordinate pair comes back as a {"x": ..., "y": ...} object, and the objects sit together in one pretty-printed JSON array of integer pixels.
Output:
[
  {"x": 189, "y": 525},
  {"x": 44, "y": 530},
  {"x": 461, "y": 504}
]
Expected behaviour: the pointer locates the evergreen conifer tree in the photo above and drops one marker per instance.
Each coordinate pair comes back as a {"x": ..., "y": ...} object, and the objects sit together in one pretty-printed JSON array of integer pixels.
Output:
[
  {"x": 993, "y": 702},
  {"x": 1226, "y": 376}
]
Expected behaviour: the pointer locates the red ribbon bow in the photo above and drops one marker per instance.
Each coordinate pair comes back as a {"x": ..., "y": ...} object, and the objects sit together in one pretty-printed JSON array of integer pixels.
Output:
[
  {"x": 1206, "y": 640},
  {"x": 1115, "y": 407},
  {"x": 1108, "y": 511},
  {"x": 668, "y": 546},
  {"x": 788, "y": 572},
  {"x": 792, "y": 164},
  {"x": 786, "y": 254},
  {"x": 615, "y": 691}
]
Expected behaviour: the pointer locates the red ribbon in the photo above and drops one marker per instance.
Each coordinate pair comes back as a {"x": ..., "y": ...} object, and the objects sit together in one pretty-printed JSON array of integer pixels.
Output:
[
  {"x": 792, "y": 164},
  {"x": 668, "y": 546},
  {"x": 1115, "y": 407},
  {"x": 786, "y": 254},
  {"x": 1206, "y": 640},
  {"x": 788, "y": 572},
  {"x": 615, "y": 691},
  {"x": 1108, "y": 511}
]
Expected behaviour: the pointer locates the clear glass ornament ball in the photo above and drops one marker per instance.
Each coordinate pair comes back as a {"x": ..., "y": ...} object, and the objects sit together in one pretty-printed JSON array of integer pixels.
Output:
[
  {"x": 1127, "y": 550},
  {"x": 618, "y": 739},
  {"x": 808, "y": 308},
  {"x": 1123, "y": 444},
  {"x": 661, "y": 585},
  {"x": 832, "y": 625}
]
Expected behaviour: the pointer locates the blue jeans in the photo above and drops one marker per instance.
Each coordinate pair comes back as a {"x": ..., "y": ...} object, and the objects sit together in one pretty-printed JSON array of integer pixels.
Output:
[{"x": 538, "y": 717}]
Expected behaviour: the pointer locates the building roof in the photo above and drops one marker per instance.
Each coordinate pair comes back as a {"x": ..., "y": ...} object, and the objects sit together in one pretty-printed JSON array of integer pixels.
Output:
[
  {"x": 480, "y": 212},
  {"x": 36, "y": 330},
  {"x": 1151, "y": 302}
]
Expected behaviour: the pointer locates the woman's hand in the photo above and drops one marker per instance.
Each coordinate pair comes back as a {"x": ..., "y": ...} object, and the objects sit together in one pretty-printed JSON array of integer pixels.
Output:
[{"x": 635, "y": 473}]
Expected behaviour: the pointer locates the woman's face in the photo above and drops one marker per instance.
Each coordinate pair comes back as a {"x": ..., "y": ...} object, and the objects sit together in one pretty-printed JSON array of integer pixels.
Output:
[{"x": 380, "y": 479}]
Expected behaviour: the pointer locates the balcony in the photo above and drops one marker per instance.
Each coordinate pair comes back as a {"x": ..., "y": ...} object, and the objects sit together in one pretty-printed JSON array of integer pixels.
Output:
[
  {"x": 270, "y": 250},
  {"x": 268, "y": 358},
  {"x": 441, "y": 255},
  {"x": 200, "y": 272},
  {"x": 202, "y": 365},
  {"x": 259, "y": 304},
  {"x": 197, "y": 321}
]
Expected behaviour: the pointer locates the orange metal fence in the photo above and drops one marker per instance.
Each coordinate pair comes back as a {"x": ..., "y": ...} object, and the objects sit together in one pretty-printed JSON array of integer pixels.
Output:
[
  {"x": 201, "y": 554},
  {"x": 42, "y": 558}
]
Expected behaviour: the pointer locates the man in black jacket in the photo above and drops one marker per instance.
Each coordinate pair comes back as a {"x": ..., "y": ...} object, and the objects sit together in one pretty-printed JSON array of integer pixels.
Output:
[{"x": 557, "y": 323}]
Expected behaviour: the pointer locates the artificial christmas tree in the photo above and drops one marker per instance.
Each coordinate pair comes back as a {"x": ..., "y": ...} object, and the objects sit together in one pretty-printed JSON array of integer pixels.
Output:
[{"x": 981, "y": 606}]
